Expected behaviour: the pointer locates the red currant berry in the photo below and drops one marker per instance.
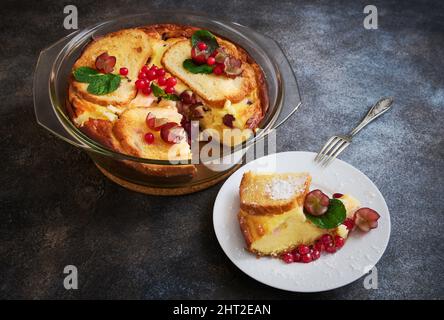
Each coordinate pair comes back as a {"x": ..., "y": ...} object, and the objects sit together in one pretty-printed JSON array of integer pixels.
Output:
[
  {"x": 154, "y": 68},
  {"x": 211, "y": 61},
  {"x": 218, "y": 70},
  {"x": 326, "y": 239},
  {"x": 151, "y": 75},
  {"x": 160, "y": 72},
  {"x": 149, "y": 138},
  {"x": 349, "y": 223},
  {"x": 161, "y": 81},
  {"x": 144, "y": 69},
  {"x": 318, "y": 245},
  {"x": 141, "y": 75},
  {"x": 140, "y": 84},
  {"x": 330, "y": 248},
  {"x": 146, "y": 91},
  {"x": 287, "y": 257},
  {"x": 306, "y": 258},
  {"x": 337, "y": 195},
  {"x": 303, "y": 249},
  {"x": 123, "y": 71},
  {"x": 169, "y": 90},
  {"x": 202, "y": 46},
  {"x": 296, "y": 256},
  {"x": 339, "y": 242},
  {"x": 171, "y": 82},
  {"x": 315, "y": 254}
]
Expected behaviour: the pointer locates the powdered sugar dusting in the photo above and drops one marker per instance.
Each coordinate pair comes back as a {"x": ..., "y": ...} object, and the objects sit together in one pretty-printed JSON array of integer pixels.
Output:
[{"x": 279, "y": 189}]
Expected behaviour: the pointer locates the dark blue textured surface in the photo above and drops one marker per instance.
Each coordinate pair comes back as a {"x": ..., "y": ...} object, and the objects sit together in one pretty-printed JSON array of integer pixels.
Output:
[{"x": 57, "y": 209}]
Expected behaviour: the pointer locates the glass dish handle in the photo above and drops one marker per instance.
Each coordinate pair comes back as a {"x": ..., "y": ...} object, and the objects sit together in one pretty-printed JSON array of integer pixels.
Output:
[{"x": 43, "y": 107}]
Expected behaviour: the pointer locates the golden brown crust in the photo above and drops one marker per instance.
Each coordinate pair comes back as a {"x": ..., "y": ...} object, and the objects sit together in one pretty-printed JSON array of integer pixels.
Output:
[
  {"x": 166, "y": 31},
  {"x": 245, "y": 230},
  {"x": 100, "y": 131},
  {"x": 263, "y": 93},
  {"x": 270, "y": 208},
  {"x": 166, "y": 171}
]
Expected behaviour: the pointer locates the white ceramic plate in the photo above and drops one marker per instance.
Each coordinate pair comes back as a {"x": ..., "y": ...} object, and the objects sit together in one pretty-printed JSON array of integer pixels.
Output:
[{"x": 360, "y": 253}]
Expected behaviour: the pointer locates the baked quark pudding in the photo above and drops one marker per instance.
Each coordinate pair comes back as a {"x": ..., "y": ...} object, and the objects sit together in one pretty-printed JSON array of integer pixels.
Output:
[
  {"x": 136, "y": 91},
  {"x": 280, "y": 217}
]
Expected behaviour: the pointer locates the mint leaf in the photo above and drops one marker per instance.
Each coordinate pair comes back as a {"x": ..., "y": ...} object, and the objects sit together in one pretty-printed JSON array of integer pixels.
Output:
[
  {"x": 99, "y": 83},
  {"x": 207, "y": 37},
  {"x": 84, "y": 74},
  {"x": 114, "y": 82},
  {"x": 157, "y": 91},
  {"x": 334, "y": 216},
  {"x": 172, "y": 97},
  {"x": 160, "y": 93},
  {"x": 194, "y": 68},
  {"x": 103, "y": 84},
  {"x": 97, "y": 87}
]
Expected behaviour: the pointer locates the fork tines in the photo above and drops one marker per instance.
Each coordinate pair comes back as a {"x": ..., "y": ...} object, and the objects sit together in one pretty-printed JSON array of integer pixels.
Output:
[{"x": 334, "y": 146}]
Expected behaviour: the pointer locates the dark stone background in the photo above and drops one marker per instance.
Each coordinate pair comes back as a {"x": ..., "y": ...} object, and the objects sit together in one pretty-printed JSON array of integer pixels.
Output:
[{"x": 57, "y": 209}]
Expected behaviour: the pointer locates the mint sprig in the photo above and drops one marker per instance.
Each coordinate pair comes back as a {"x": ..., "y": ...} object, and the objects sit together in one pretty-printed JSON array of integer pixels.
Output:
[
  {"x": 189, "y": 65},
  {"x": 206, "y": 37},
  {"x": 210, "y": 40},
  {"x": 160, "y": 93},
  {"x": 334, "y": 216},
  {"x": 98, "y": 83}
]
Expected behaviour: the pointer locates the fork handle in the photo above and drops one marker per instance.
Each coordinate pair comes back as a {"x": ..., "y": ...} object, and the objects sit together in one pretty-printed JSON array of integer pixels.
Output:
[{"x": 377, "y": 110}]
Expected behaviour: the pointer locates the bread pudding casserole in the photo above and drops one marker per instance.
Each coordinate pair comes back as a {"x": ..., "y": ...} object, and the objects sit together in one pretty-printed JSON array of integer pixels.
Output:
[{"x": 136, "y": 91}]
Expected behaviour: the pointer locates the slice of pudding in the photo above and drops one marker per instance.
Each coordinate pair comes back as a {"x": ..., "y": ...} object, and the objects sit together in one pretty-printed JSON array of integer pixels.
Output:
[
  {"x": 272, "y": 232},
  {"x": 272, "y": 193}
]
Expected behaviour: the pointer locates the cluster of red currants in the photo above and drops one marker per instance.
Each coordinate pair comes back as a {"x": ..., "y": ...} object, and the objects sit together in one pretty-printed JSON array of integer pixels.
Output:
[{"x": 147, "y": 75}]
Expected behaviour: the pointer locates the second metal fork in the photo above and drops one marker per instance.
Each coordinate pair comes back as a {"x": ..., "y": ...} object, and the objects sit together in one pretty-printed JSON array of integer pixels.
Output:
[{"x": 336, "y": 144}]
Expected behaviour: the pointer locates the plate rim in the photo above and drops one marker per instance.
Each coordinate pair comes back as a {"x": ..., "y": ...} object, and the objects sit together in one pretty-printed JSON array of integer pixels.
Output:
[{"x": 313, "y": 154}]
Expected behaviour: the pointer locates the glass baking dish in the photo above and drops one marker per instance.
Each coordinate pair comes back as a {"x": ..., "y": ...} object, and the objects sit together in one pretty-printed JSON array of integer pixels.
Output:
[{"x": 50, "y": 95}]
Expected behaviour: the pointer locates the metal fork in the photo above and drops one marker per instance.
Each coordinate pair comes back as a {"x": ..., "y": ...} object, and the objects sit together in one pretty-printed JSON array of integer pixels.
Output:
[{"x": 336, "y": 144}]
